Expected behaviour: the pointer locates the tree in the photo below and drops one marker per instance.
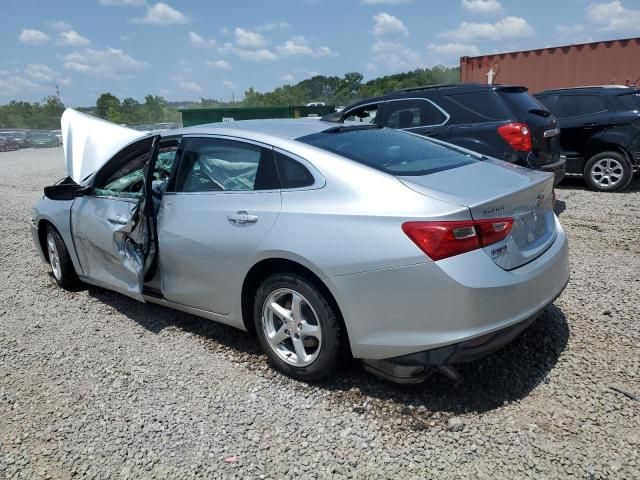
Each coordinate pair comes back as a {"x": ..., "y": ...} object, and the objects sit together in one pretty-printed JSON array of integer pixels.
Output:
[{"x": 105, "y": 103}]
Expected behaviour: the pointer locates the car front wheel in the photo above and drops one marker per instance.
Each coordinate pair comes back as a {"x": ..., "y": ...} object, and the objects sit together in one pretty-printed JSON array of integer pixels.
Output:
[
  {"x": 298, "y": 327},
  {"x": 608, "y": 172},
  {"x": 61, "y": 265}
]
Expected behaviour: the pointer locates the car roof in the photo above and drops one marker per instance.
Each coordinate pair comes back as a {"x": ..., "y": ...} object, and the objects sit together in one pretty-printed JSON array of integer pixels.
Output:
[
  {"x": 591, "y": 89},
  {"x": 440, "y": 88},
  {"x": 290, "y": 128}
]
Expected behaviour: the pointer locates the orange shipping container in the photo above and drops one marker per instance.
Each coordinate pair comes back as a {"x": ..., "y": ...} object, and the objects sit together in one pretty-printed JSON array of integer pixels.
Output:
[{"x": 598, "y": 63}]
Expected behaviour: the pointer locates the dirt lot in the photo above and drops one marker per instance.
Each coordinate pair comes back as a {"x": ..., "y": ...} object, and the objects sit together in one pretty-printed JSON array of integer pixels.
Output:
[{"x": 95, "y": 385}]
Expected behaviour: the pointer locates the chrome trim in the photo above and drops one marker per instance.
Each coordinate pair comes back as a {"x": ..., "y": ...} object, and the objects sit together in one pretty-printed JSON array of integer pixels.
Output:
[{"x": 551, "y": 132}]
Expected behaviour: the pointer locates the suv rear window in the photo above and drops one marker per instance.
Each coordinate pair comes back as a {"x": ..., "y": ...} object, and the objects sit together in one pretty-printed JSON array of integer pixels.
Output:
[
  {"x": 392, "y": 151},
  {"x": 521, "y": 101},
  {"x": 630, "y": 101},
  {"x": 485, "y": 104}
]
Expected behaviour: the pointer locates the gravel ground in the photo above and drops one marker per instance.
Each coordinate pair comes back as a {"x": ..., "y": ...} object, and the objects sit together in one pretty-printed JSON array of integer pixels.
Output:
[{"x": 95, "y": 385}]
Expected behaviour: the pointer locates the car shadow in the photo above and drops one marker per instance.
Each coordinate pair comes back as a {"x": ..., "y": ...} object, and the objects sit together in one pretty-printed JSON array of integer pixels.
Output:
[{"x": 502, "y": 377}]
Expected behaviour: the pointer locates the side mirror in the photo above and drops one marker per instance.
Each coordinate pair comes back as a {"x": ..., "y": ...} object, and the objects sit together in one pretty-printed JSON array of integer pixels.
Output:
[{"x": 67, "y": 191}]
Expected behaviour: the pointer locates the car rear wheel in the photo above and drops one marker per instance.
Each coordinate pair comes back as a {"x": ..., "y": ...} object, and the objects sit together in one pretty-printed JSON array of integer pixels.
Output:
[
  {"x": 298, "y": 328},
  {"x": 61, "y": 265},
  {"x": 608, "y": 172}
]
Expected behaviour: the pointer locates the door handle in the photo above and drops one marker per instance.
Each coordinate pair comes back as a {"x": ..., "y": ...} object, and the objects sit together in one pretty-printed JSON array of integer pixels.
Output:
[
  {"x": 589, "y": 125},
  {"x": 117, "y": 220},
  {"x": 242, "y": 218}
]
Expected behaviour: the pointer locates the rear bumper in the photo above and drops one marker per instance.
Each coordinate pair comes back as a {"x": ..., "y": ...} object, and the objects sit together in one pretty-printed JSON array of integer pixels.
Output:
[
  {"x": 416, "y": 308},
  {"x": 559, "y": 169}
]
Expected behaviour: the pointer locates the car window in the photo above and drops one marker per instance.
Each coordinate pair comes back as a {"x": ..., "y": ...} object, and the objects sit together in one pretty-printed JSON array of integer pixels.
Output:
[
  {"x": 629, "y": 101},
  {"x": 392, "y": 151},
  {"x": 484, "y": 104},
  {"x": 364, "y": 114},
  {"x": 217, "y": 165},
  {"x": 520, "y": 100},
  {"x": 128, "y": 180},
  {"x": 292, "y": 173},
  {"x": 549, "y": 101},
  {"x": 578, "y": 105},
  {"x": 413, "y": 113}
]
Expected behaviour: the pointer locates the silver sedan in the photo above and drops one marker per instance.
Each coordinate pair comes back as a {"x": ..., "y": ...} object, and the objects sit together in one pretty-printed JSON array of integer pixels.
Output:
[{"x": 329, "y": 241}]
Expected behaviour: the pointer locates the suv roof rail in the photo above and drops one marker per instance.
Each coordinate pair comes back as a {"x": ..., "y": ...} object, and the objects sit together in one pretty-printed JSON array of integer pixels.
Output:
[
  {"x": 430, "y": 87},
  {"x": 585, "y": 87}
]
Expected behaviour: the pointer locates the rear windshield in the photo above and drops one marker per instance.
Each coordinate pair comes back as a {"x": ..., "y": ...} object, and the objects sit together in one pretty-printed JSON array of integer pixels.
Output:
[
  {"x": 485, "y": 104},
  {"x": 389, "y": 150},
  {"x": 521, "y": 101},
  {"x": 630, "y": 101}
]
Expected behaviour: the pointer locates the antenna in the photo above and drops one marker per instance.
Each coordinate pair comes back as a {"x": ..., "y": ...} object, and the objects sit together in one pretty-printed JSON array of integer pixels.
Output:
[{"x": 57, "y": 91}]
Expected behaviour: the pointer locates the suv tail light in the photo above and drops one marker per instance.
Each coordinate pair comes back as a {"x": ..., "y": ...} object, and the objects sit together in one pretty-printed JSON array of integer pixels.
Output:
[
  {"x": 445, "y": 239},
  {"x": 517, "y": 135}
]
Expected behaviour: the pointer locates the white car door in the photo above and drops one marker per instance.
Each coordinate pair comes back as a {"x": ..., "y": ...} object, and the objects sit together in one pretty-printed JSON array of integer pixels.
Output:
[{"x": 222, "y": 203}]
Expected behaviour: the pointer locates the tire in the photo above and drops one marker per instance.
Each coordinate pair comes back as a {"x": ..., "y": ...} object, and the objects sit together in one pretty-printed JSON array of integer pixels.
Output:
[
  {"x": 608, "y": 172},
  {"x": 60, "y": 261},
  {"x": 320, "y": 332}
]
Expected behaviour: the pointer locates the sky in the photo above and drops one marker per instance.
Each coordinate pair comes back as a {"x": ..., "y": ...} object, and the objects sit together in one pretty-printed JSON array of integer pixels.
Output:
[{"x": 188, "y": 49}]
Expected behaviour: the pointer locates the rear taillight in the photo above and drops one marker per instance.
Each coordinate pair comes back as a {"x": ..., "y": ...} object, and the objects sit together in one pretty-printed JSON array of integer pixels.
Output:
[
  {"x": 517, "y": 135},
  {"x": 445, "y": 239}
]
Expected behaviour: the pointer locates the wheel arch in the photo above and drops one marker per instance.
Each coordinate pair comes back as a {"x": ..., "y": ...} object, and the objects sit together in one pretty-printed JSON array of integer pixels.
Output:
[
  {"x": 603, "y": 147},
  {"x": 268, "y": 266}
]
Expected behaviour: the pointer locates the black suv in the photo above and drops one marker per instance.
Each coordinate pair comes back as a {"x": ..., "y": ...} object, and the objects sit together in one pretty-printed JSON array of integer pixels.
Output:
[
  {"x": 600, "y": 132},
  {"x": 500, "y": 121}
]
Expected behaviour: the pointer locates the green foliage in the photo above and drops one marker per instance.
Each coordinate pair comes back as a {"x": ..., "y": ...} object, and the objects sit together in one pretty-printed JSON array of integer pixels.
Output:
[
  {"x": 37, "y": 115},
  {"x": 348, "y": 89},
  {"x": 332, "y": 90}
]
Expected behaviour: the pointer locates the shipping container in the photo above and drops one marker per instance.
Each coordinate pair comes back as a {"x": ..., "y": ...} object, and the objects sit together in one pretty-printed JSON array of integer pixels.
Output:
[
  {"x": 615, "y": 62},
  {"x": 199, "y": 116}
]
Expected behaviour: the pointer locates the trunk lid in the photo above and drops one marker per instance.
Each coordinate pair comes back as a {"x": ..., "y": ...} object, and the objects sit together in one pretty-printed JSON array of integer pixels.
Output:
[{"x": 495, "y": 189}]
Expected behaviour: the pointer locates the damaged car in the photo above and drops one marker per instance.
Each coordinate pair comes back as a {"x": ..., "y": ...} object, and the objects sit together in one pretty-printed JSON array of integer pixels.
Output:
[{"x": 328, "y": 241}]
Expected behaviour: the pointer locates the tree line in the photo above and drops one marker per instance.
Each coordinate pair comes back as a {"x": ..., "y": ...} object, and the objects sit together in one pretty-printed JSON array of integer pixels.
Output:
[{"x": 332, "y": 90}]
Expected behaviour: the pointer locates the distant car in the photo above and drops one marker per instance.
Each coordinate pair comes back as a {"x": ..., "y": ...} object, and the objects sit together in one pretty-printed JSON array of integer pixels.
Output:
[
  {"x": 58, "y": 134},
  {"x": 44, "y": 140},
  {"x": 7, "y": 143},
  {"x": 326, "y": 240},
  {"x": 600, "y": 133},
  {"x": 19, "y": 136},
  {"x": 499, "y": 121},
  {"x": 315, "y": 104}
]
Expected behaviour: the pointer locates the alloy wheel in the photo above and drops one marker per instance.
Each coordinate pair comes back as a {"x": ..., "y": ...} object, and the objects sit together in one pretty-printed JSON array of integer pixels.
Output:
[
  {"x": 54, "y": 258},
  {"x": 291, "y": 327},
  {"x": 607, "y": 172}
]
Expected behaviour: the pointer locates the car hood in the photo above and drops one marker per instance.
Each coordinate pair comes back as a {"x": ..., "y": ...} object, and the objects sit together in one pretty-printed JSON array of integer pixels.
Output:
[{"x": 89, "y": 142}]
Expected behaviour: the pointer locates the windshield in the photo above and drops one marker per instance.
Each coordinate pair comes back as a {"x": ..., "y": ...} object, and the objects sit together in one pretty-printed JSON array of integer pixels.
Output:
[
  {"x": 392, "y": 151},
  {"x": 521, "y": 101}
]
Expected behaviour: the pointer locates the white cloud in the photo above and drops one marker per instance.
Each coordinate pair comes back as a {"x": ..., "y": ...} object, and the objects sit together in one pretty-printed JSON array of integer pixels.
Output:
[
  {"x": 614, "y": 17},
  {"x": 190, "y": 87},
  {"x": 162, "y": 14},
  {"x": 299, "y": 45},
  {"x": 58, "y": 25},
  {"x": 482, "y": 6},
  {"x": 229, "y": 84},
  {"x": 73, "y": 38},
  {"x": 218, "y": 64},
  {"x": 259, "y": 55},
  {"x": 11, "y": 85},
  {"x": 507, "y": 28},
  {"x": 248, "y": 39},
  {"x": 273, "y": 26},
  {"x": 384, "y": 2},
  {"x": 454, "y": 49},
  {"x": 385, "y": 25},
  {"x": 573, "y": 34},
  {"x": 110, "y": 62},
  {"x": 33, "y": 37},
  {"x": 393, "y": 56},
  {"x": 41, "y": 72},
  {"x": 289, "y": 78},
  {"x": 199, "y": 41},
  {"x": 123, "y": 3}
]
